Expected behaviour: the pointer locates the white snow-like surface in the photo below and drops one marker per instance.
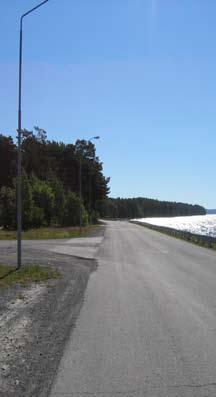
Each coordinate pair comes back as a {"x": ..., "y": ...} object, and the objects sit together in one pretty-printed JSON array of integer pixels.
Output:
[{"x": 197, "y": 224}]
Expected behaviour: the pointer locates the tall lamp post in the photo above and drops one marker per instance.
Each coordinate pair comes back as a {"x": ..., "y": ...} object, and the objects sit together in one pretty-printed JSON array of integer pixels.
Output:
[
  {"x": 90, "y": 182},
  {"x": 80, "y": 187},
  {"x": 19, "y": 138},
  {"x": 80, "y": 194}
]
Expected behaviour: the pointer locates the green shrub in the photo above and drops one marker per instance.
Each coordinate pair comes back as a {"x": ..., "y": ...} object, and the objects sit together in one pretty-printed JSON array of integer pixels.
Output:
[
  {"x": 8, "y": 207},
  {"x": 27, "y": 203},
  {"x": 44, "y": 198},
  {"x": 37, "y": 217},
  {"x": 59, "y": 202},
  {"x": 85, "y": 217},
  {"x": 94, "y": 217},
  {"x": 72, "y": 211}
]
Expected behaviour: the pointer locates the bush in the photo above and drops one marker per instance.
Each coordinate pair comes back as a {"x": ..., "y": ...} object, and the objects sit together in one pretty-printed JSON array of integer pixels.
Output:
[
  {"x": 44, "y": 198},
  {"x": 94, "y": 217},
  {"x": 59, "y": 202},
  {"x": 27, "y": 203},
  {"x": 8, "y": 207},
  {"x": 43, "y": 203},
  {"x": 72, "y": 211},
  {"x": 37, "y": 217},
  {"x": 85, "y": 217}
]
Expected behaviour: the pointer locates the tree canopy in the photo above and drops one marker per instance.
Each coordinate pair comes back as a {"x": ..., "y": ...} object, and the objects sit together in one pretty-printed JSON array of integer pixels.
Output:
[{"x": 51, "y": 180}]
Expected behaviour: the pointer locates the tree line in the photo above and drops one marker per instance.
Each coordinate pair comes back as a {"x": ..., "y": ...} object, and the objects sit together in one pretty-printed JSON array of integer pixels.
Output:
[
  {"x": 51, "y": 186},
  {"x": 140, "y": 207},
  {"x": 51, "y": 181}
]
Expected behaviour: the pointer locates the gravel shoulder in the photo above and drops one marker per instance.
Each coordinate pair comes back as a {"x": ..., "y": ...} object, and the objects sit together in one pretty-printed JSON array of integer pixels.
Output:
[{"x": 35, "y": 322}]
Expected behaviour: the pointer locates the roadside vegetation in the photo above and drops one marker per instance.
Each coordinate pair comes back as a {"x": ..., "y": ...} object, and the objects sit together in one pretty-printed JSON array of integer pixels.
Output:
[
  {"x": 50, "y": 182},
  {"x": 26, "y": 275},
  {"x": 46, "y": 233},
  {"x": 51, "y": 189}
]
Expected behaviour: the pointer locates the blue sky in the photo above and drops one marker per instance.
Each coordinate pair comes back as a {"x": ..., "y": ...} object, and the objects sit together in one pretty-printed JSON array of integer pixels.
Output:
[{"x": 139, "y": 73}]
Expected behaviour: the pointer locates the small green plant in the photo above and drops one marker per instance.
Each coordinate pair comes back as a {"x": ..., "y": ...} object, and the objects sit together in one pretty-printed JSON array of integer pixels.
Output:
[{"x": 26, "y": 275}]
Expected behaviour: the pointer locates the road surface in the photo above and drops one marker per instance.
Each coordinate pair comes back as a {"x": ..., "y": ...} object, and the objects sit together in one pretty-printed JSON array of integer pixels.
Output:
[
  {"x": 148, "y": 323},
  {"x": 82, "y": 247}
]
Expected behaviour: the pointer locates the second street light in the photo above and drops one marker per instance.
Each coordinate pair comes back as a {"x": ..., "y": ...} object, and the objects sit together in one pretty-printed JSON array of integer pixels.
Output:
[
  {"x": 90, "y": 183},
  {"x": 80, "y": 186},
  {"x": 19, "y": 138}
]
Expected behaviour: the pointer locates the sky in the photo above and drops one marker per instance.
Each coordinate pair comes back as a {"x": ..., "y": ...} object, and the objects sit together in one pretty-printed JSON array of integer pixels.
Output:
[{"x": 138, "y": 73}]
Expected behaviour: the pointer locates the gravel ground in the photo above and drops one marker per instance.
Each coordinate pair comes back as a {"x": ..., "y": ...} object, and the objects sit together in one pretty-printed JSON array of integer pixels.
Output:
[{"x": 35, "y": 322}]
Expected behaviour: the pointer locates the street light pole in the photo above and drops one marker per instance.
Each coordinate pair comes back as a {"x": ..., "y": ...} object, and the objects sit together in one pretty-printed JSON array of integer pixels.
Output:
[
  {"x": 19, "y": 139},
  {"x": 80, "y": 194},
  {"x": 80, "y": 187},
  {"x": 90, "y": 182},
  {"x": 19, "y": 165}
]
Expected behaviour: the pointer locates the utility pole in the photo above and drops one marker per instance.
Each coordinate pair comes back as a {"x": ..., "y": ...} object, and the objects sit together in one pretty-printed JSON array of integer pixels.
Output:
[
  {"x": 90, "y": 183},
  {"x": 19, "y": 141},
  {"x": 80, "y": 193}
]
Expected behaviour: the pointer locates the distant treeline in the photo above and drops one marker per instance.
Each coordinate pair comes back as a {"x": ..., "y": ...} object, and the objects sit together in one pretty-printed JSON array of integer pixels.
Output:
[
  {"x": 143, "y": 207},
  {"x": 51, "y": 181}
]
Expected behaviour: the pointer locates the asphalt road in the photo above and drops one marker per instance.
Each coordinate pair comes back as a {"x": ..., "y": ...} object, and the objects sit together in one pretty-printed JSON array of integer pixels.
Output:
[
  {"x": 38, "y": 251},
  {"x": 148, "y": 324}
]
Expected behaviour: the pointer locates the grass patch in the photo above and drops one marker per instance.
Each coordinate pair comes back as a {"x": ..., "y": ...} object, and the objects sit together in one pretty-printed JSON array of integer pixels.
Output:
[
  {"x": 26, "y": 275},
  {"x": 46, "y": 233}
]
